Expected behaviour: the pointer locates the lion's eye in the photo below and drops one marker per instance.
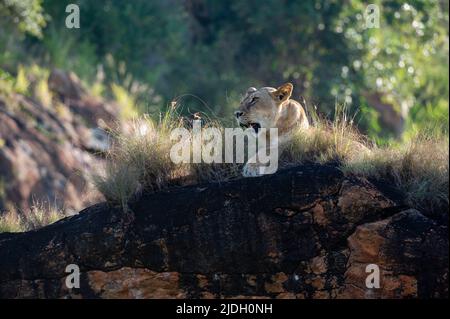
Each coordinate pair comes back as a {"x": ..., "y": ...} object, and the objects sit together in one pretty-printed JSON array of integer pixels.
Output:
[{"x": 254, "y": 99}]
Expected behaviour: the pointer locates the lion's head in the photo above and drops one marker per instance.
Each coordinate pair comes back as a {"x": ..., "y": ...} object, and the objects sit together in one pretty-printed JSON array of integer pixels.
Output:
[{"x": 260, "y": 107}]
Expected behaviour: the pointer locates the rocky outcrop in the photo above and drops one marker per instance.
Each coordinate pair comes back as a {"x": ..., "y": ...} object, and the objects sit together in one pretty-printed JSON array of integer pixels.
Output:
[
  {"x": 46, "y": 150},
  {"x": 305, "y": 232}
]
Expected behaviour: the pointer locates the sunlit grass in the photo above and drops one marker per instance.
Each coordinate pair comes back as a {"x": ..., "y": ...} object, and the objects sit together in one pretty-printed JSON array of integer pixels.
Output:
[
  {"x": 21, "y": 84},
  {"x": 43, "y": 93},
  {"x": 140, "y": 160},
  {"x": 419, "y": 168},
  {"x": 126, "y": 102},
  {"x": 326, "y": 141},
  {"x": 39, "y": 215}
]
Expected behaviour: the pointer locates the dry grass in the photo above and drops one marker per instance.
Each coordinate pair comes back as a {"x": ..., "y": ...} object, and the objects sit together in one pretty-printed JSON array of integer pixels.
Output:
[
  {"x": 40, "y": 215},
  {"x": 419, "y": 168},
  {"x": 326, "y": 141},
  {"x": 140, "y": 160}
]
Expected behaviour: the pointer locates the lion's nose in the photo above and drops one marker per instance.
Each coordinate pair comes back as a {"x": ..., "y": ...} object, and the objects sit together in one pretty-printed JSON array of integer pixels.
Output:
[{"x": 238, "y": 114}]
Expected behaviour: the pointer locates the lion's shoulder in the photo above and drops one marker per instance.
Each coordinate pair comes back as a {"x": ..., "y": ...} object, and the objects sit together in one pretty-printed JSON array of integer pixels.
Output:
[{"x": 292, "y": 115}]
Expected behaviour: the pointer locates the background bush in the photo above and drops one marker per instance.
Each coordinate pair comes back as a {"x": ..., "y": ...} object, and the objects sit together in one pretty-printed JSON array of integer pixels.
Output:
[{"x": 214, "y": 49}]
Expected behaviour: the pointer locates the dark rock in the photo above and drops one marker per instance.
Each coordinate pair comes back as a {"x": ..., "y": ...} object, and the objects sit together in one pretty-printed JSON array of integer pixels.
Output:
[{"x": 305, "y": 232}]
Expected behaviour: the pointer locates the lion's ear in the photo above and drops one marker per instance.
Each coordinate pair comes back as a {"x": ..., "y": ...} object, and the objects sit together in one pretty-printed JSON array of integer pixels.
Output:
[
  {"x": 251, "y": 90},
  {"x": 283, "y": 92}
]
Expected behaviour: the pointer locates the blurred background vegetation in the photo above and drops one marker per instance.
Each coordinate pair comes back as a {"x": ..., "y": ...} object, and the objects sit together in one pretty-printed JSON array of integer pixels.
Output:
[{"x": 207, "y": 52}]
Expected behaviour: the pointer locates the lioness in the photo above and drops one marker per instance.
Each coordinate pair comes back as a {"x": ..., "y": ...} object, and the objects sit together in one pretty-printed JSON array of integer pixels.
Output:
[{"x": 268, "y": 107}]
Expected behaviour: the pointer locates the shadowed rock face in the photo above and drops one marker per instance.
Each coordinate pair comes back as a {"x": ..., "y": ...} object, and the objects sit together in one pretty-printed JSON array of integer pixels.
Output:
[{"x": 306, "y": 232}]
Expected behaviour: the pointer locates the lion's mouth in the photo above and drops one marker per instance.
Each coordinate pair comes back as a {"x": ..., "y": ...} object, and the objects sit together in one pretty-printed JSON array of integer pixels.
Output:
[{"x": 254, "y": 126}]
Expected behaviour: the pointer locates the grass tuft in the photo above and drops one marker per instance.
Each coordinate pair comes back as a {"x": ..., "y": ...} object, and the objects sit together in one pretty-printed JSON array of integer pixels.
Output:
[
  {"x": 138, "y": 160},
  {"x": 39, "y": 215},
  {"x": 419, "y": 168},
  {"x": 326, "y": 141}
]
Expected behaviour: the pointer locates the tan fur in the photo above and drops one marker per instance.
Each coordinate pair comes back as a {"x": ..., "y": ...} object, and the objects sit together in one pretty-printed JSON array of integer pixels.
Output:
[{"x": 272, "y": 108}]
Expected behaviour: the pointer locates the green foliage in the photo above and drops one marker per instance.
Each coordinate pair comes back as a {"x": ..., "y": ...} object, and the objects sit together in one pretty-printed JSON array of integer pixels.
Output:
[
  {"x": 404, "y": 59},
  {"x": 6, "y": 83},
  {"x": 210, "y": 51},
  {"x": 63, "y": 50},
  {"x": 21, "y": 83},
  {"x": 126, "y": 102},
  {"x": 24, "y": 15},
  {"x": 7, "y": 89}
]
